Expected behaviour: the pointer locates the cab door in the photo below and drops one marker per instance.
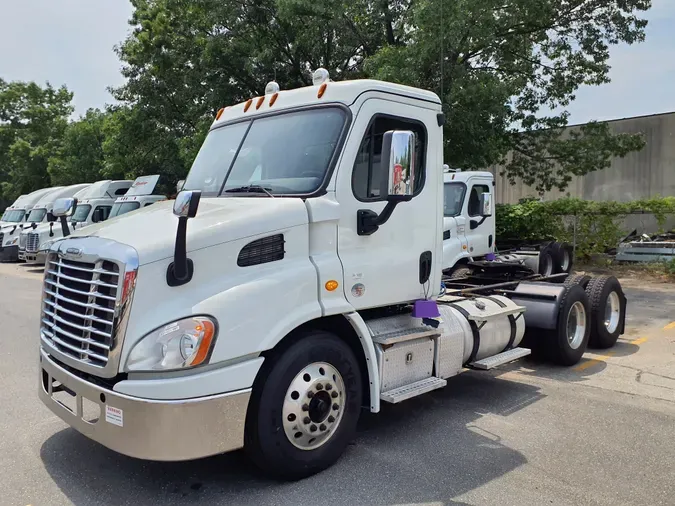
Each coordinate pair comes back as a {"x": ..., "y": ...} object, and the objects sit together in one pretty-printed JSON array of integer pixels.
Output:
[
  {"x": 383, "y": 268},
  {"x": 480, "y": 229}
]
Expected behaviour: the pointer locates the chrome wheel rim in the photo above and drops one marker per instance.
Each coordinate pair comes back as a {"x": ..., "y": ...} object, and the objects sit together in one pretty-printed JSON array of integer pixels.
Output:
[
  {"x": 576, "y": 325},
  {"x": 565, "y": 260},
  {"x": 313, "y": 406},
  {"x": 612, "y": 312}
]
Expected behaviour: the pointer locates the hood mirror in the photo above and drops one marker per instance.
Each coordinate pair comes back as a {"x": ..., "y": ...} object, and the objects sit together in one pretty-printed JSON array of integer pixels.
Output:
[
  {"x": 185, "y": 207},
  {"x": 63, "y": 208}
]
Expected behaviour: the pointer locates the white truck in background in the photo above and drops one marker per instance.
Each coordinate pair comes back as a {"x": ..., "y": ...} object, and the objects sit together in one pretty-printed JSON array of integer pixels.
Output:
[
  {"x": 297, "y": 279},
  {"x": 42, "y": 213},
  {"x": 94, "y": 204},
  {"x": 13, "y": 219},
  {"x": 139, "y": 195}
]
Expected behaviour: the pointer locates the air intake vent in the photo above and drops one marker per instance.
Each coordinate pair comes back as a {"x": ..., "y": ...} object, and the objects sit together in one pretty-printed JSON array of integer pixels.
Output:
[{"x": 262, "y": 251}]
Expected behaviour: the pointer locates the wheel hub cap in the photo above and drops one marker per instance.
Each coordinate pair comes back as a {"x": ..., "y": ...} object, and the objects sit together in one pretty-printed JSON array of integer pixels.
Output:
[
  {"x": 576, "y": 325},
  {"x": 313, "y": 406},
  {"x": 612, "y": 312}
]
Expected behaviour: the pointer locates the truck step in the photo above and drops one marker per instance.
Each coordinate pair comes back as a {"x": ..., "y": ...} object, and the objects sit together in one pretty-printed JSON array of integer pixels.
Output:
[
  {"x": 399, "y": 336},
  {"x": 500, "y": 359},
  {"x": 412, "y": 390}
]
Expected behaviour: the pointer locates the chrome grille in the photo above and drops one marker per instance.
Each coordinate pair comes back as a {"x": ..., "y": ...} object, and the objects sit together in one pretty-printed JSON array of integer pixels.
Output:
[
  {"x": 22, "y": 240},
  {"x": 32, "y": 242},
  {"x": 78, "y": 311},
  {"x": 2, "y": 237}
]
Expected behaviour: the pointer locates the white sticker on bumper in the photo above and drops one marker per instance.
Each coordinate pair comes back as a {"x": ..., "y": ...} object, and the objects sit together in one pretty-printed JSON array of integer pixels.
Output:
[{"x": 114, "y": 416}]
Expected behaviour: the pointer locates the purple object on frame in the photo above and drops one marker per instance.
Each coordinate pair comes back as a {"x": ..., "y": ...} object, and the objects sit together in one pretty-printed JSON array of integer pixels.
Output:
[
  {"x": 490, "y": 257},
  {"x": 425, "y": 309}
]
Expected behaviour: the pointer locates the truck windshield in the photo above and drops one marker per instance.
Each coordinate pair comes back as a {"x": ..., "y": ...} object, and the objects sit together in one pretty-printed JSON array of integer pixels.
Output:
[
  {"x": 287, "y": 154},
  {"x": 36, "y": 215},
  {"x": 120, "y": 208},
  {"x": 14, "y": 216},
  {"x": 453, "y": 198},
  {"x": 80, "y": 214}
]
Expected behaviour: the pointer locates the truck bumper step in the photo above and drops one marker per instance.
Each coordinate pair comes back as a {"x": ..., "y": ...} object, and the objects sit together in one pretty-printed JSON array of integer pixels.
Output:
[
  {"x": 413, "y": 389},
  {"x": 500, "y": 359}
]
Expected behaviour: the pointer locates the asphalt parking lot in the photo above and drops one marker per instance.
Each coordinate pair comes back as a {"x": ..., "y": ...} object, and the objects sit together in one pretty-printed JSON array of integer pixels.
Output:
[{"x": 602, "y": 432}]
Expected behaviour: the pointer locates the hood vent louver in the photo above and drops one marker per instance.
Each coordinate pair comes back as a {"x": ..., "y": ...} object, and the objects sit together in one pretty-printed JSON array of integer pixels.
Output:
[{"x": 262, "y": 251}]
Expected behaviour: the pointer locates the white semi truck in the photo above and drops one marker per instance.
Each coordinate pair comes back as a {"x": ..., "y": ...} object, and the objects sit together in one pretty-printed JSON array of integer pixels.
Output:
[
  {"x": 296, "y": 282},
  {"x": 96, "y": 203},
  {"x": 12, "y": 223},
  {"x": 42, "y": 213}
]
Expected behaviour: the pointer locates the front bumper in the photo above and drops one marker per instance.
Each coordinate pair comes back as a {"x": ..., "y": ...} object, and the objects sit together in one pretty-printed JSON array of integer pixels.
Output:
[
  {"x": 9, "y": 253},
  {"x": 35, "y": 258},
  {"x": 22, "y": 255},
  {"x": 145, "y": 428}
]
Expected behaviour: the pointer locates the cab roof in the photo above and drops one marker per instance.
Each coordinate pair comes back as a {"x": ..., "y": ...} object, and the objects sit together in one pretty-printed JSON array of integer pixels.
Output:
[
  {"x": 59, "y": 193},
  {"x": 343, "y": 92},
  {"x": 104, "y": 189}
]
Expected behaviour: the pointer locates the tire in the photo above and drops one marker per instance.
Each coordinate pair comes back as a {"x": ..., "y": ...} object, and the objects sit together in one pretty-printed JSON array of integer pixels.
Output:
[
  {"x": 547, "y": 261},
  {"x": 560, "y": 347},
  {"x": 577, "y": 279},
  {"x": 461, "y": 273},
  {"x": 563, "y": 254},
  {"x": 608, "y": 310},
  {"x": 280, "y": 436}
]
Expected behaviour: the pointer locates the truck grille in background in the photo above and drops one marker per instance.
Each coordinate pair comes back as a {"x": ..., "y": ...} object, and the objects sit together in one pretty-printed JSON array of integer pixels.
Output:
[
  {"x": 22, "y": 240},
  {"x": 262, "y": 251},
  {"x": 32, "y": 242},
  {"x": 2, "y": 238},
  {"x": 78, "y": 312}
]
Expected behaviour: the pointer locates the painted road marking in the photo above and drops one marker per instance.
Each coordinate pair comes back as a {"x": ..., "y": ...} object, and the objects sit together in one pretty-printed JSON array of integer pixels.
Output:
[
  {"x": 670, "y": 326},
  {"x": 640, "y": 340},
  {"x": 594, "y": 361}
]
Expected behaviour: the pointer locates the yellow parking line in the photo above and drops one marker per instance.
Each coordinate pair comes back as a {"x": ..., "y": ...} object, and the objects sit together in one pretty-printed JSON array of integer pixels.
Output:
[
  {"x": 594, "y": 361},
  {"x": 640, "y": 340},
  {"x": 671, "y": 325}
]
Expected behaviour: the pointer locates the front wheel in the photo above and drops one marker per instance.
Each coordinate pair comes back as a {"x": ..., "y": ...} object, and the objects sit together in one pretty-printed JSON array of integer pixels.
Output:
[{"x": 304, "y": 407}]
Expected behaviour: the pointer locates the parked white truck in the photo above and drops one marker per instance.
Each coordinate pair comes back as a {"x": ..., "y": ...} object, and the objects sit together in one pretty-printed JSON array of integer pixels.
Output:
[
  {"x": 94, "y": 204},
  {"x": 42, "y": 213},
  {"x": 12, "y": 223},
  {"x": 297, "y": 280}
]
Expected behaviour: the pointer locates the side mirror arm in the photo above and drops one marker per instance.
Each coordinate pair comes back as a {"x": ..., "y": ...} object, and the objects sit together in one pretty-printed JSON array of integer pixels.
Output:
[
  {"x": 368, "y": 222},
  {"x": 64, "y": 226},
  {"x": 182, "y": 268}
]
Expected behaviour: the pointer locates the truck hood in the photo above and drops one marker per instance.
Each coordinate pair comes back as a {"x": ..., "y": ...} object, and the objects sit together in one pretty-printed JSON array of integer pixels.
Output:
[{"x": 152, "y": 230}]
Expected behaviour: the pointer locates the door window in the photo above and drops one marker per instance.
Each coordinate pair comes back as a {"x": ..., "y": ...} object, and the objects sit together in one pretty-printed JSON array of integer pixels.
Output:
[{"x": 368, "y": 170}]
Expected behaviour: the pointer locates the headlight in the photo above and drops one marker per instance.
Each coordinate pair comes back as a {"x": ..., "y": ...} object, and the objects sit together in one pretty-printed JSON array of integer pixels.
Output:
[{"x": 182, "y": 344}]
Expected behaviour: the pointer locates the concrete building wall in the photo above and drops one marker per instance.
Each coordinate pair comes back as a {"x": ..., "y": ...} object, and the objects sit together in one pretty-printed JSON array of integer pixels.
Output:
[{"x": 647, "y": 173}]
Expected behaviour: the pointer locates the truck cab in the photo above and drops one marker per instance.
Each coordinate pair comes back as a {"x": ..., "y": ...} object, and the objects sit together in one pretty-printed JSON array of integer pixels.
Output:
[
  {"x": 94, "y": 204},
  {"x": 468, "y": 231},
  {"x": 295, "y": 280},
  {"x": 13, "y": 219},
  {"x": 139, "y": 196},
  {"x": 42, "y": 213}
]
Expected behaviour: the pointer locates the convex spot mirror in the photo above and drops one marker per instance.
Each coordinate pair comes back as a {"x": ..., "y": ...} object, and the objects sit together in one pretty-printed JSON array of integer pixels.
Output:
[
  {"x": 398, "y": 151},
  {"x": 486, "y": 204},
  {"x": 64, "y": 207},
  {"x": 187, "y": 203}
]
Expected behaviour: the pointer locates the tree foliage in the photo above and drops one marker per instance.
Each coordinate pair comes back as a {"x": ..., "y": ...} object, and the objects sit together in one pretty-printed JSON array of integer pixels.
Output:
[
  {"x": 32, "y": 123},
  {"x": 499, "y": 66}
]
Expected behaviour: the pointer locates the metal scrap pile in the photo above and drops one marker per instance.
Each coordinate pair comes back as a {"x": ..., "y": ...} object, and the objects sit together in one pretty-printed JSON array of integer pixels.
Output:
[{"x": 647, "y": 248}]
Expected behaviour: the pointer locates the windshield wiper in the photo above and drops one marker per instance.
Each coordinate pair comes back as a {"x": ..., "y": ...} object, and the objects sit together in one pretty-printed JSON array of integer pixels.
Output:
[{"x": 253, "y": 188}]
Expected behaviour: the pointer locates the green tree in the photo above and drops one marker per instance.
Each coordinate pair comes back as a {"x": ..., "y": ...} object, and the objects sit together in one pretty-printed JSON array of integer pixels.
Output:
[
  {"x": 32, "y": 123},
  {"x": 498, "y": 66},
  {"x": 80, "y": 158}
]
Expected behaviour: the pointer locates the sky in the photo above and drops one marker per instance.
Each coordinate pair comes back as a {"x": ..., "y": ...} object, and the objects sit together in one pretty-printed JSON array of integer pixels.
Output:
[{"x": 71, "y": 42}]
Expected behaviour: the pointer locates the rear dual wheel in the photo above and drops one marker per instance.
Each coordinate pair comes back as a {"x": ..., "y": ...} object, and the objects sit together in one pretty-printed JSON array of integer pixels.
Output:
[
  {"x": 304, "y": 407},
  {"x": 567, "y": 343},
  {"x": 608, "y": 310}
]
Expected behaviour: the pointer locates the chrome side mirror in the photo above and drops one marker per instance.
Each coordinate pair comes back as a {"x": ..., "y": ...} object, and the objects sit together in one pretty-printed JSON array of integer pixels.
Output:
[
  {"x": 486, "y": 204},
  {"x": 64, "y": 207},
  {"x": 399, "y": 145},
  {"x": 181, "y": 269},
  {"x": 187, "y": 203}
]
